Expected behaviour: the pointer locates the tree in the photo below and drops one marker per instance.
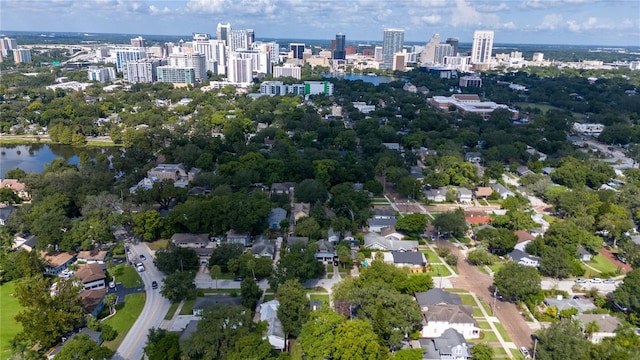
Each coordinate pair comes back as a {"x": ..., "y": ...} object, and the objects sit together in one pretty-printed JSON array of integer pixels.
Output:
[
  {"x": 482, "y": 351},
  {"x": 179, "y": 286},
  {"x": 451, "y": 222},
  {"x": 311, "y": 191},
  {"x": 628, "y": 294},
  {"x": 250, "y": 293},
  {"x": 147, "y": 225},
  {"x": 308, "y": 227},
  {"x": 344, "y": 254},
  {"x": 163, "y": 192},
  {"x": 82, "y": 347},
  {"x": 163, "y": 345},
  {"x": 16, "y": 173},
  {"x": 591, "y": 327},
  {"x": 254, "y": 347},
  {"x": 480, "y": 257},
  {"x": 223, "y": 253},
  {"x": 517, "y": 281},
  {"x": 355, "y": 340},
  {"x": 298, "y": 263},
  {"x": 407, "y": 354},
  {"x": 562, "y": 340},
  {"x": 500, "y": 241},
  {"x": 556, "y": 263},
  {"x": 318, "y": 334},
  {"x": 294, "y": 309},
  {"x": 110, "y": 301},
  {"x": 174, "y": 258},
  {"x": 215, "y": 272},
  {"x": 8, "y": 196},
  {"x": 413, "y": 224},
  {"x": 45, "y": 317}
]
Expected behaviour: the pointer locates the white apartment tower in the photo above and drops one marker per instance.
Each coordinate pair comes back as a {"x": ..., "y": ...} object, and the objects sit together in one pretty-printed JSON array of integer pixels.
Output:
[
  {"x": 240, "y": 40},
  {"x": 124, "y": 54},
  {"x": 213, "y": 50},
  {"x": 240, "y": 68},
  {"x": 482, "y": 47},
  {"x": 140, "y": 71},
  {"x": 287, "y": 70},
  {"x": 7, "y": 44},
  {"x": 21, "y": 56},
  {"x": 392, "y": 43},
  {"x": 101, "y": 74},
  {"x": 428, "y": 55},
  {"x": 223, "y": 33},
  {"x": 196, "y": 61}
]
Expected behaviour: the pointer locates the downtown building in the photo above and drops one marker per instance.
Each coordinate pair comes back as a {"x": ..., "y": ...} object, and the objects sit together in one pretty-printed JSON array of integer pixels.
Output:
[
  {"x": 271, "y": 88},
  {"x": 287, "y": 70},
  {"x": 141, "y": 71},
  {"x": 392, "y": 43},
  {"x": 223, "y": 33},
  {"x": 241, "y": 39},
  {"x": 482, "y": 47},
  {"x": 101, "y": 74},
  {"x": 124, "y": 54},
  {"x": 196, "y": 61},
  {"x": 296, "y": 50},
  {"x": 7, "y": 45},
  {"x": 21, "y": 56},
  {"x": 214, "y": 52},
  {"x": 176, "y": 75},
  {"x": 339, "y": 53}
]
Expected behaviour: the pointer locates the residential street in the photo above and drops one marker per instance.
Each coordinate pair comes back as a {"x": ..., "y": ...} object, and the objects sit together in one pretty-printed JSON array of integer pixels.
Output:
[{"x": 155, "y": 308}]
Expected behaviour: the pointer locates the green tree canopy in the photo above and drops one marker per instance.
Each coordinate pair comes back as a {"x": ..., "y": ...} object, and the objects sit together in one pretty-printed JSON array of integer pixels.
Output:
[
  {"x": 294, "y": 309},
  {"x": 628, "y": 294},
  {"x": 517, "y": 281},
  {"x": 82, "y": 347},
  {"x": 413, "y": 224},
  {"x": 179, "y": 286},
  {"x": 174, "y": 258},
  {"x": 562, "y": 340},
  {"x": 162, "y": 345}
]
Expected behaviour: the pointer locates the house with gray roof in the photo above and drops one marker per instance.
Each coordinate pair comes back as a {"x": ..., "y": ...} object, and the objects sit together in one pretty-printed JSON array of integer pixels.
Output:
[
  {"x": 441, "y": 317},
  {"x": 285, "y": 188},
  {"x": 414, "y": 260},
  {"x": 234, "y": 237},
  {"x": 275, "y": 333},
  {"x": 378, "y": 242},
  {"x": 187, "y": 240},
  {"x": 264, "y": 247},
  {"x": 561, "y": 303},
  {"x": 607, "y": 325},
  {"x": 436, "y": 296},
  {"x": 293, "y": 240},
  {"x": 503, "y": 191},
  {"x": 451, "y": 345},
  {"x": 377, "y": 224},
  {"x": 275, "y": 218},
  {"x": 326, "y": 251},
  {"x": 522, "y": 258},
  {"x": 436, "y": 194},
  {"x": 204, "y": 302},
  {"x": 473, "y": 157},
  {"x": 464, "y": 195}
]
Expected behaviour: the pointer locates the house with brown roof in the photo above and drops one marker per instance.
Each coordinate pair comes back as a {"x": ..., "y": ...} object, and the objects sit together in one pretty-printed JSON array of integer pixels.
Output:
[
  {"x": 19, "y": 188},
  {"x": 56, "y": 262},
  {"x": 300, "y": 210},
  {"x": 524, "y": 236},
  {"x": 483, "y": 192},
  {"x": 441, "y": 317},
  {"x": 90, "y": 257},
  {"x": 92, "y": 276},
  {"x": 93, "y": 301}
]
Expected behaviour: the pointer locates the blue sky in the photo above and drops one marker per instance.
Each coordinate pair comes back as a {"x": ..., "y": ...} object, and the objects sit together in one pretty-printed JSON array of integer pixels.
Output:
[{"x": 576, "y": 22}]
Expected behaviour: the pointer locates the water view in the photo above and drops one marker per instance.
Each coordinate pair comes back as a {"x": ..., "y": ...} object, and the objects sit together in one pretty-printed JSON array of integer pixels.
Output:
[
  {"x": 33, "y": 157},
  {"x": 373, "y": 79}
]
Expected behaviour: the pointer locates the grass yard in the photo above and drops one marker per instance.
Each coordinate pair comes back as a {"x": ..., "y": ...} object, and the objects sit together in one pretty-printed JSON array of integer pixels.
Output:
[
  {"x": 502, "y": 332},
  {"x": 323, "y": 298},
  {"x": 431, "y": 256},
  {"x": 495, "y": 267},
  {"x": 268, "y": 297},
  {"x": 158, "y": 244},
  {"x": 187, "y": 307},
  {"x": 123, "y": 320},
  {"x": 603, "y": 264},
  {"x": 9, "y": 328},
  {"x": 317, "y": 289},
  {"x": 477, "y": 312},
  {"x": 489, "y": 336},
  {"x": 484, "y": 325},
  {"x": 126, "y": 275},
  {"x": 172, "y": 311},
  {"x": 439, "y": 270},
  {"x": 589, "y": 273},
  {"x": 468, "y": 300},
  {"x": 216, "y": 291}
]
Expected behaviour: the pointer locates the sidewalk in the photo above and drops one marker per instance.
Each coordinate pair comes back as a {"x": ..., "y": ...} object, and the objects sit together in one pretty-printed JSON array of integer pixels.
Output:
[{"x": 491, "y": 320}]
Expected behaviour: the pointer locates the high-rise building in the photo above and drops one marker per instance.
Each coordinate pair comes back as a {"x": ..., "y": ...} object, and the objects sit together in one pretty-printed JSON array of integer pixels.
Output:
[
  {"x": 21, "y": 56},
  {"x": 442, "y": 50},
  {"x": 482, "y": 47},
  {"x": 377, "y": 53},
  {"x": 296, "y": 49},
  {"x": 538, "y": 56},
  {"x": 260, "y": 63},
  {"x": 7, "y": 44},
  {"x": 399, "y": 62},
  {"x": 428, "y": 55},
  {"x": 176, "y": 75},
  {"x": 240, "y": 68},
  {"x": 141, "y": 71},
  {"x": 101, "y": 74},
  {"x": 139, "y": 42},
  {"x": 251, "y": 35},
  {"x": 339, "y": 53},
  {"x": 240, "y": 40},
  {"x": 287, "y": 70},
  {"x": 213, "y": 50},
  {"x": 124, "y": 54},
  {"x": 196, "y": 61},
  {"x": 454, "y": 42},
  {"x": 392, "y": 43},
  {"x": 272, "y": 47},
  {"x": 223, "y": 32}
]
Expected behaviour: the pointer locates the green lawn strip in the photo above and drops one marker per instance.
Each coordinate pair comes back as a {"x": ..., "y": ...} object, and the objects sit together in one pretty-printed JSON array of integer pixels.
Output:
[
  {"x": 9, "y": 308},
  {"x": 126, "y": 275},
  {"x": 477, "y": 312},
  {"x": 187, "y": 307},
  {"x": 468, "y": 300},
  {"x": 317, "y": 289},
  {"x": 516, "y": 354},
  {"x": 502, "y": 332},
  {"x": 489, "y": 336},
  {"x": 439, "y": 270},
  {"x": 499, "y": 350},
  {"x": 324, "y": 298},
  {"x": 603, "y": 264},
  {"x": 216, "y": 291},
  {"x": 172, "y": 311},
  {"x": 158, "y": 244},
  {"x": 269, "y": 297},
  {"x": 486, "y": 307},
  {"x": 484, "y": 325},
  {"x": 589, "y": 273},
  {"x": 329, "y": 268},
  {"x": 123, "y": 320},
  {"x": 481, "y": 268},
  {"x": 456, "y": 290},
  {"x": 495, "y": 267},
  {"x": 432, "y": 257}
]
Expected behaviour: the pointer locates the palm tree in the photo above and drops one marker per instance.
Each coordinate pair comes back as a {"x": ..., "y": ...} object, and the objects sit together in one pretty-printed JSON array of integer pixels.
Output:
[
  {"x": 110, "y": 301},
  {"x": 591, "y": 327}
]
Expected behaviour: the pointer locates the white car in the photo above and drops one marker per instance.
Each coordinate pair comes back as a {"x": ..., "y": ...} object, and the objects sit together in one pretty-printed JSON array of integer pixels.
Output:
[
  {"x": 609, "y": 281},
  {"x": 596, "y": 281},
  {"x": 580, "y": 281},
  {"x": 525, "y": 352},
  {"x": 112, "y": 285}
]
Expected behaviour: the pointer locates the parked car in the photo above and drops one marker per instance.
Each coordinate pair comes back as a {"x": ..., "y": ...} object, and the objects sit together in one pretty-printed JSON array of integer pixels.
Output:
[
  {"x": 237, "y": 279},
  {"x": 596, "y": 281},
  {"x": 621, "y": 258},
  {"x": 525, "y": 352},
  {"x": 112, "y": 285},
  {"x": 140, "y": 267},
  {"x": 154, "y": 284},
  {"x": 580, "y": 281},
  {"x": 609, "y": 281},
  {"x": 142, "y": 257}
]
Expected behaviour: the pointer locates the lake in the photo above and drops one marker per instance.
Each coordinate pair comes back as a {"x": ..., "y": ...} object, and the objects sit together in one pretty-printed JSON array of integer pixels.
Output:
[
  {"x": 373, "y": 79},
  {"x": 33, "y": 157}
]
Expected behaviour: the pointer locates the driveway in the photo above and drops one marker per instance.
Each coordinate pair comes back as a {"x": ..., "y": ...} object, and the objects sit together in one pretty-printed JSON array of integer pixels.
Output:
[
  {"x": 155, "y": 307},
  {"x": 121, "y": 292}
]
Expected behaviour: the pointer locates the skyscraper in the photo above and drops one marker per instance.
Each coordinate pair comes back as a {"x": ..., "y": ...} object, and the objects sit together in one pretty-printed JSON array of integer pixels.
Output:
[
  {"x": 223, "y": 31},
  {"x": 428, "y": 55},
  {"x": 239, "y": 40},
  {"x": 453, "y": 41},
  {"x": 124, "y": 54},
  {"x": 392, "y": 42},
  {"x": 139, "y": 42},
  {"x": 482, "y": 47},
  {"x": 297, "y": 49},
  {"x": 339, "y": 53}
]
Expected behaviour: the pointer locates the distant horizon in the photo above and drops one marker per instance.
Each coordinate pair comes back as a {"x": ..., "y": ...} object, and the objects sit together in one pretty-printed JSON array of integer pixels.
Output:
[{"x": 189, "y": 36}]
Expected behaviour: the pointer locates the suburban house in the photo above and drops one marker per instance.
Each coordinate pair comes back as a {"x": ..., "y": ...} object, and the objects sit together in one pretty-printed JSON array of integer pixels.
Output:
[
  {"x": 56, "y": 262},
  {"x": 18, "y": 188},
  {"x": 96, "y": 336},
  {"x": 90, "y": 257},
  {"x": 379, "y": 242},
  {"x": 477, "y": 218},
  {"x": 383, "y": 214},
  {"x": 607, "y": 325},
  {"x": 92, "y": 276},
  {"x": 293, "y": 240},
  {"x": 5, "y": 211},
  {"x": 464, "y": 195},
  {"x": 203, "y": 302},
  {"x": 300, "y": 210},
  {"x": 523, "y": 236},
  {"x": 441, "y": 317},
  {"x": 93, "y": 301},
  {"x": 483, "y": 192},
  {"x": 264, "y": 247},
  {"x": 326, "y": 252},
  {"x": 24, "y": 242},
  {"x": 416, "y": 172},
  {"x": 473, "y": 157},
  {"x": 436, "y": 194},
  {"x": 522, "y": 258},
  {"x": 502, "y": 191},
  {"x": 285, "y": 188},
  {"x": 415, "y": 261},
  {"x": 451, "y": 345},
  {"x": 275, "y": 218},
  {"x": 333, "y": 236},
  {"x": 176, "y": 172},
  {"x": 583, "y": 254},
  {"x": 561, "y": 303},
  {"x": 523, "y": 170},
  {"x": 234, "y": 237},
  {"x": 275, "y": 333},
  {"x": 436, "y": 296},
  {"x": 377, "y": 224},
  {"x": 187, "y": 240}
]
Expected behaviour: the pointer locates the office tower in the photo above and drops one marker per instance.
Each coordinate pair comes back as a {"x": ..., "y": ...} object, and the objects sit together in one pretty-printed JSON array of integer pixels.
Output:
[
  {"x": 259, "y": 60},
  {"x": 213, "y": 51},
  {"x": 453, "y": 41},
  {"x": 155, "y": 51},
  {"x": 398, "y": 63},
  {"x": 482, "y": 47},
  {"x": 442, "y": 50},
  {"x": 239, "y": 40},
  {"x": 138, "y": 42},
  {"x": 240, "y": 68},
  {"x": 538, "y": 56},
  {"x": 7, "y": 44},
  {"x": 287, "y": 70},
  {"x": 21, "y": 56},
  {"x": 428, "y": 55},
  {"x": 140, "y": 71},
  {"x": 296, "y": 49},
  {"x": 340, "y": 53},
  {"x": 377, "y": 53},
  {"x": 251, "y": 35},
  {"x": 196, "y": 61},
  {"x": 176, "y": 75},
  {"x": 101, "y": 74},
  {"x": 272, "y": 47},
  {"x": 124, "y": 54},
  {"x": 223, "y": 31},
  {"x": 392, "y": 43}
]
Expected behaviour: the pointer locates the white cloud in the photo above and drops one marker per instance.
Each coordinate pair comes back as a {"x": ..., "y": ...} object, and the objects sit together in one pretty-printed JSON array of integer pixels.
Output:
[
  {"x": 510, "y": 25},
  {"x": 545, "y": 4},
  {"x": 427, "y": 19},
  {"x": 466, "y": 14},
  {"x": 157, "y": 11},
  {"x": 491, "y": 7},
  {"x": 551, "y": 22},
  {"x": 207, "y": 6}
]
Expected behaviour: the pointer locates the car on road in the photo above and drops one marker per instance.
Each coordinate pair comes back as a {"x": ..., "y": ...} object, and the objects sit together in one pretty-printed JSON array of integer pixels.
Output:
[
  {"x": 580, "y": 281},
  {"x": 596, "y": 281},
  {"x": 237, "y": 279},
  {"x": 609, "y": 281},
  {"x": 140, "y": 267},
  {"x": 142, "y": 257},
  {"x": 154, "y": 284},
  {"x": 525, "y": 352}
]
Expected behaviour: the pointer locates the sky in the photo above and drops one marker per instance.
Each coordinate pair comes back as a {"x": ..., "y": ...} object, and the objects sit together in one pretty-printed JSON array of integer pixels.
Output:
[{"x": 571, "y": 22}]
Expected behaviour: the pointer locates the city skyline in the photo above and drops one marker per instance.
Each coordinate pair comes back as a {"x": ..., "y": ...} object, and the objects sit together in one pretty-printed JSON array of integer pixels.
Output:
[{"x": 575, "y": 22}]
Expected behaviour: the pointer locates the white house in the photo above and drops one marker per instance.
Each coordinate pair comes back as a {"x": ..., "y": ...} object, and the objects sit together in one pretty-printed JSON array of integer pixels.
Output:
[
  {"x": 464, "y": 195},
  {"x": 607, "y": 325},
  {"x": 441, "y": 317},
  {"x": 436, "y": 195},
  {"x": 275, "y": 333},
  {"x": 92, "y": 276},
  {"x": 502, "y": 190}
]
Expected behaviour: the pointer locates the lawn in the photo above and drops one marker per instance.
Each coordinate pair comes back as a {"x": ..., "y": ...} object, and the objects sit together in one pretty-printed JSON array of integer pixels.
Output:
[
  {"x": 127, "y": 275},
  {"x": 432, "y": 257},
  {"x": 489, "y": 336},
  {"x": 268, "y": 297},
  {"x": 484, "y": 325},
  {"x": 172, "y": 311},
  {"x": 123, "y": 320},
  {"x": 187, "y": 307},
  {"x": 495, "y": 267},
  {"x": 9, "y": 327},
  {"x": 502, "y": 332},
  {"x": 468, "y": 300},
  {"x": 323, "y": 298},
  {"x": 158, "y": 244},
  {"x": 603, "y": 264},
  {"x": 439, "y": 270}
]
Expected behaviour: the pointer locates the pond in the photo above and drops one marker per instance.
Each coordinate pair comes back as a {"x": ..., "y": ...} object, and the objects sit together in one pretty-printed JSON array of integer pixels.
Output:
[{"x": 373, "y": 79}]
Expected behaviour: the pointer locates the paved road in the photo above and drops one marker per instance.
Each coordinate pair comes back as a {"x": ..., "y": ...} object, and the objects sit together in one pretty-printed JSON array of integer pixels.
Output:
[
  {"x": 567, "y": 285},
  {"x": 155, "y": 307}
]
